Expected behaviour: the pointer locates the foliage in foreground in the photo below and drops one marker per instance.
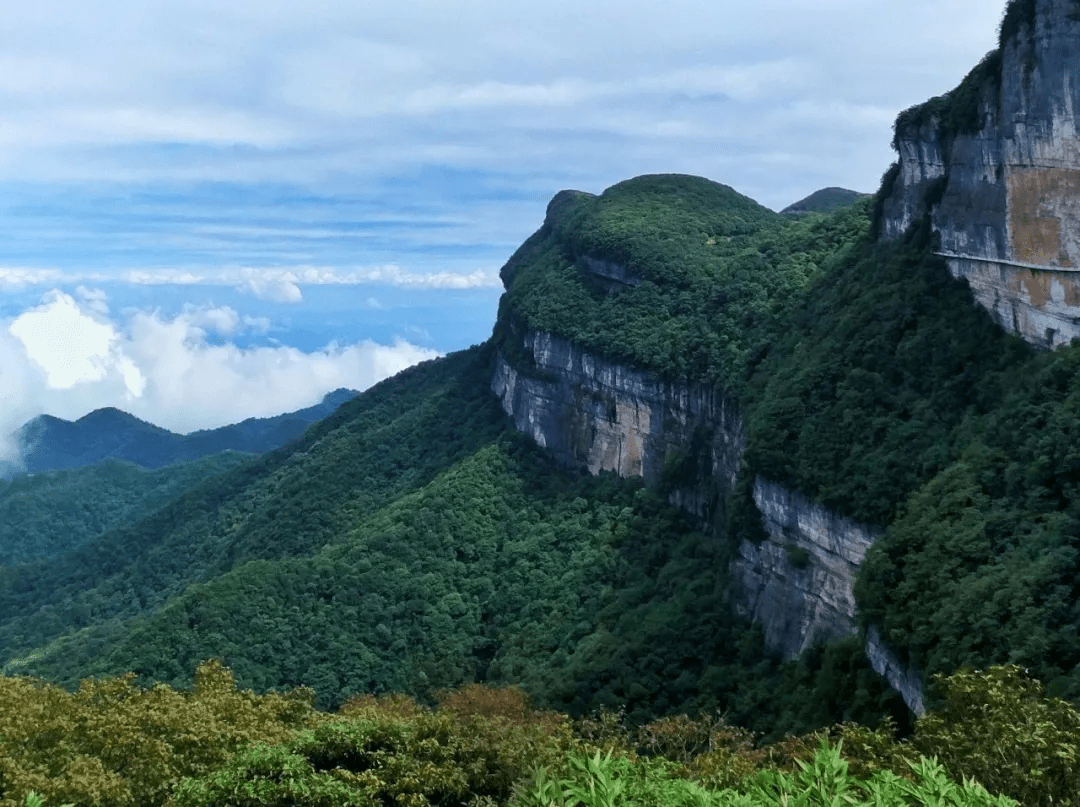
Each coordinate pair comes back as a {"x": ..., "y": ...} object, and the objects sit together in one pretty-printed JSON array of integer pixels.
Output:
[
  {"x": 603, "y": 781},
  {"x": 113, "y": 744}
]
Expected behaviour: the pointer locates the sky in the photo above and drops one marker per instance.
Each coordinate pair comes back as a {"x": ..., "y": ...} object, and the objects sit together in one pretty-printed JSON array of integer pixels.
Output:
[{"x": 217, "y": 209}]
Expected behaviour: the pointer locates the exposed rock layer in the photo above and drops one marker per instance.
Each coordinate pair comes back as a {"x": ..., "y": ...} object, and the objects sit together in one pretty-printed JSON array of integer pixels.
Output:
[
  {"x": 799, "y": 584},
  {"x": 1005, "y": 195},
  {"x": 905, "y": 680},
  {"x": 606, "y": 417}
]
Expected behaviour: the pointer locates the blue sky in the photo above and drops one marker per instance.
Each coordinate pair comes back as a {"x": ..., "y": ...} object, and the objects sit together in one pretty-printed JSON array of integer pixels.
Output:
[{"x": 299, "y": 196}]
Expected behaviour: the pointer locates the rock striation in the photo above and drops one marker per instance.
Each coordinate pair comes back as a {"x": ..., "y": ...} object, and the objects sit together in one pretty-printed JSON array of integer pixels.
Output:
[
  {"x": 605, "y": 417},
  {"x": 798, "y": 583},
  {"x": 996, "y": 165},
  {"x": 905, "y": 680}
]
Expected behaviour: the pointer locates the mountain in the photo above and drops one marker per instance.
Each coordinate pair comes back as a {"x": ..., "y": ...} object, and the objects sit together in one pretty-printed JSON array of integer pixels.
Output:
[
  {"x": 414, "y": 540},
  {"x": 826, "y": 200},
  {"x": 712, "y": 458},
  {"x": 53, "y": 443}
]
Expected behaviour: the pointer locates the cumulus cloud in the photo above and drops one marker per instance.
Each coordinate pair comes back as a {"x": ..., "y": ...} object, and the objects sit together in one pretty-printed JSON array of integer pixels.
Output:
[{"x": 66, "y": 358}]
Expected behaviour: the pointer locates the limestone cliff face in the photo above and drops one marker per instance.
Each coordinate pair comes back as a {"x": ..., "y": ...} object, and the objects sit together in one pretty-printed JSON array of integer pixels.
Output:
[
  {"x": 798, "y": 583},
  {"x": 606, "y": 417},
  {"x": 997, "y": 165}
]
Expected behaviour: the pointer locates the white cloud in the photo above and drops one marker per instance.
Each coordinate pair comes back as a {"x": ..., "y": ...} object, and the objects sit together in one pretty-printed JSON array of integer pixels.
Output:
[
  {"x": 256, "y": 324},
  {"x": 70, "y": 346},
  {"x": 63, "y": 357},
  {"x": 272, "y": 286},
  {"x": 396, "y": 276},
  {"x": 14, "y": 278},
  {"x": 94, "y": 299},
  {"x": 321, "y": 89},
  {"x": 275, "y": 284},
  {"x": 222, "y": 320}
]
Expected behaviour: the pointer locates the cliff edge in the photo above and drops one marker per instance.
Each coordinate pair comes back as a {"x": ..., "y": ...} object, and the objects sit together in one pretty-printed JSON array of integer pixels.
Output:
[{"x": 995, "y": 163}]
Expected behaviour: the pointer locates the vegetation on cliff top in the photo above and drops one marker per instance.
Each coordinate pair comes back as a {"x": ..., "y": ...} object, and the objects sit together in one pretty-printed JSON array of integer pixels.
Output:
[
  {"x": 710, "y": 275},
  {"x": 880, "y": 389},
  {"x": 895, "y": 400},
  {"x": 959, "y": 111}
]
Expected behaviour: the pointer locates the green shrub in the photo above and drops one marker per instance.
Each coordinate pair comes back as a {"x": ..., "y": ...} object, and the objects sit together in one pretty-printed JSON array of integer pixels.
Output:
[
  {"x": 999, "y": 727},
  {"x": 420, "y": 759},
  {"x": 798, "y": 557},
  {"x": 115, "y": 744},
  {"x": 606, "y": 781}
]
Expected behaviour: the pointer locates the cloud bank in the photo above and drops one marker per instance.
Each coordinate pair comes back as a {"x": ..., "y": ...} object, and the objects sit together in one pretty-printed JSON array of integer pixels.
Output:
[
  {"x": 273, "y": 284},
  {"x": 68, "y": 356}
]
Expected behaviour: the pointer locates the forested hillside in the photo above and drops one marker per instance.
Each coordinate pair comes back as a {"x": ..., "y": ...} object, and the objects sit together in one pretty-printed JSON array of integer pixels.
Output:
[
  {"x": 869, "y": 380},
  {"x": 413, "y": 541},
  {"x": 895, "y": 400},
  {"x": 412, "y": 555},
  {"x": 44, "y": 515},
  {"x": 712, "y": 275}
]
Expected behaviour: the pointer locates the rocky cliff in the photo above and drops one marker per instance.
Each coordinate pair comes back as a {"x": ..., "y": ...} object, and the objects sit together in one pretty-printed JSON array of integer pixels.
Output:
[
  {"x": 798, "y": 583},
  {"x": 996, "y": 164},
  {"x": 606, "y": 417}
]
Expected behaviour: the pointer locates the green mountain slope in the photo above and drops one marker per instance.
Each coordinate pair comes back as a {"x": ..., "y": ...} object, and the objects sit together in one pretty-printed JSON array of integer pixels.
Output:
[
  {"x": 52, "y": 442},
  {"x": 895, "y": 400},
  {"x": 826, "y": 200},
  {"x": 46, "y": 514},
  {"x": 499, "y": 567},
  {"x": 502, "y": 569},
  {"x": 413, "y": 541},
  {"x": 285, "y": 503}
]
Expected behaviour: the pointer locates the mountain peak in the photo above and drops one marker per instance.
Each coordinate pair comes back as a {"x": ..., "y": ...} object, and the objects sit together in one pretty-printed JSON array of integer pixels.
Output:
[
  {"x": 109, "y": 432},
  {"x": 826, "y": 200}
]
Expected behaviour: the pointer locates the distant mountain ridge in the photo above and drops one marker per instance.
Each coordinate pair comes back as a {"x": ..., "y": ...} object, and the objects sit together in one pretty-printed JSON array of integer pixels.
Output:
[
  {"x": 826, "y": 200},
  {"x": 55, "y": 443}
]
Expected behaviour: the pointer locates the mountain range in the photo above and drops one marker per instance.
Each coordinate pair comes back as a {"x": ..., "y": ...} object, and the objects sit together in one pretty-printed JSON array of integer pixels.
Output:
[
  {"x": 713, "y": 457},
  {"x": 51, "y": 443}
]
